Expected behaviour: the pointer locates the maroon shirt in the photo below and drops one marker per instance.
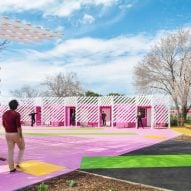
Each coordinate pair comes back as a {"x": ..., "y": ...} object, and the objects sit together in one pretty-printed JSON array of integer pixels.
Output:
[{"x": 11, "y": 121}]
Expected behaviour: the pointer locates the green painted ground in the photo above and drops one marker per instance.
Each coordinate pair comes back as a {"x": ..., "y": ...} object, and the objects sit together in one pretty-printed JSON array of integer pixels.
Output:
[
  {"x": 79, "y": 134},
  {"x": 140, "y": 161},
  {"x": 63, "y": 129},
  {"x": 82, "y": 128}
]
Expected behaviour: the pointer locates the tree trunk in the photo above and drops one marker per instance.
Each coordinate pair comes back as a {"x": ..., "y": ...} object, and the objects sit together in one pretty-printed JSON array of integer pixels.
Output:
[
  {"x": 179, "y": 119},
  {"x": 181, "y": 115},
  {"x": 178, "y": 116},
  {"x": 184, "y": 113}
]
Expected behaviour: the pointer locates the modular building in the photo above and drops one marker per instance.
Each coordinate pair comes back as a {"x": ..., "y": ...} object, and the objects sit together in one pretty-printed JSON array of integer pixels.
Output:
[{"x": 85, "y": 111}]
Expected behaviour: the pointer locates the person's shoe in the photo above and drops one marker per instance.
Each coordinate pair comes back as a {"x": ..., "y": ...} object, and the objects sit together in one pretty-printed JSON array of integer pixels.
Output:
[
  {"x": 12, "y": 171},
  {"x": 18, "y": 166}
]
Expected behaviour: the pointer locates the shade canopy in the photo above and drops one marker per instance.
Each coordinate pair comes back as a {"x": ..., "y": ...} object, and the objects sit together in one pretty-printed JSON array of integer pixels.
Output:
[{"x": 15, "y": 30}]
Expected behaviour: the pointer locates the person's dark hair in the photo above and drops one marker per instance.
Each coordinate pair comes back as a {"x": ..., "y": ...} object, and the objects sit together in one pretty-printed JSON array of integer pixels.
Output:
[{"x": 13, "y": 104}]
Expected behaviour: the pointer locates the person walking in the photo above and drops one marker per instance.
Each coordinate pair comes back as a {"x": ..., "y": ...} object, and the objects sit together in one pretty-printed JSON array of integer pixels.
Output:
[
  {"x": 103, "y": 116},
  {"x": 72, "y": 119},
  {"x": 139, "y": 120},
  {"x": 13, "y": 133},
  {"x": 32, "y": 114}
]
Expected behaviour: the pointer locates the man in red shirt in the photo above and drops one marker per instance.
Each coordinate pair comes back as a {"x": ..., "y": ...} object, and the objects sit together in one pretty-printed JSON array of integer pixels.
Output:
[{"x": 13, "y": 134}]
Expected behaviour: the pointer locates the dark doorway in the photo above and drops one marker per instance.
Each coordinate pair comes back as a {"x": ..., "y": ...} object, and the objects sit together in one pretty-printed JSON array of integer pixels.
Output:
[
  {"x": 146, "y": 115},
  {"x": 70, "y": 116},
  {"x": 107, "y": 111}
]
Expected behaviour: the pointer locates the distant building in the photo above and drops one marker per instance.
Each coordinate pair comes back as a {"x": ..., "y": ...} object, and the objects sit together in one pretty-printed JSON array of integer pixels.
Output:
[{"x": 121, "y": 111}]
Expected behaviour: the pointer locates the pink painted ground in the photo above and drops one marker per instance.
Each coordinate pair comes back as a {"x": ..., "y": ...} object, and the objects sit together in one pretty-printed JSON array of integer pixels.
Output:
[{"x": 68, "y": 150}]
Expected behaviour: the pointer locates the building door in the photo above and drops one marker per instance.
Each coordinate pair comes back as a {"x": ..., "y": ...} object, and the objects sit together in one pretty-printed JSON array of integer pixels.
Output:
[
  {"x": 38, "y": 115},
  {"x": 70, "y": 116},
  {"x": 146, "y": 115},
  {"x": 108, "y": 118}
]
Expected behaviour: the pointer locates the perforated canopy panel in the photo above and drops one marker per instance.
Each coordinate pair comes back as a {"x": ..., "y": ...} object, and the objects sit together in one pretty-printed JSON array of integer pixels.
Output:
[{"x": 17, "y": 31}]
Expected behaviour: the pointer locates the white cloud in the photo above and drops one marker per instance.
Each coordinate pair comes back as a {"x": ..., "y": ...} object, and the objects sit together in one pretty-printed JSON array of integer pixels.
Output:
[
  {"x": 66, "y": 8},
  {"x": 87, "y": 19},
  {"x": 126, "y": 6},
  {"x": 51, "y": 7},
  {"x": 101, "y": 65},
  {"x": 115, "y": 76},
  {"x": 23, "y": 5},
  {"x": 91, "y": 47},
  {"x": 19, "y": 72}
]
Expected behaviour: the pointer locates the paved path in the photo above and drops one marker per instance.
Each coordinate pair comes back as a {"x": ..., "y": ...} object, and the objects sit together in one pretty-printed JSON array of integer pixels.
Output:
[
  {"x": 169, "y": 177},
  {"x": 185, "y": 131},
  {"x": 66, "y": 147}
]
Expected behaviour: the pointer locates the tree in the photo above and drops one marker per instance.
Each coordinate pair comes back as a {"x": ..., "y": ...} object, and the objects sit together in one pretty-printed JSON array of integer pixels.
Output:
[
  {"x": 90, "y": 93},
  {"x": 62, "y": 85},
  {"x": 167, "y": 68},
  {"x": 26, "y": 92},
  {"x": 115, "y": 94}
]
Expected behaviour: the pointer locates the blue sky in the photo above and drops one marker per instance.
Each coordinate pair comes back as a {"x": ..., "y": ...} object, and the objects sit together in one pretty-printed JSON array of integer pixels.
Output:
[{"x": 103, "y": 40}]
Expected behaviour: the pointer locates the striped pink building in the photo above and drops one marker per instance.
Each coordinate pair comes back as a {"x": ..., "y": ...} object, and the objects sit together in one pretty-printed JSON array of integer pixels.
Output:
[{"x": 121, "y": 111}]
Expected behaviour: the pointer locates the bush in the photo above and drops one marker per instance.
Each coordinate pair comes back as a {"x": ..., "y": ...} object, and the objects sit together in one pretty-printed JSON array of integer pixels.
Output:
[
  {"x": 188, "y": 121},
  {"x": 173, "y": 120},
  {"x": 42, "y": 187},
  {"x": 71, "y": 183}
]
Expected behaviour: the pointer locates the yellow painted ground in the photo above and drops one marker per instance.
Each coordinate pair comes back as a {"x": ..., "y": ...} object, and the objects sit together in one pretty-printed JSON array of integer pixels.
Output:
[
  {"x": 38, "y": 168},
  {"x": 154, "y": 137},
  {"x": 183, "y": 130}
]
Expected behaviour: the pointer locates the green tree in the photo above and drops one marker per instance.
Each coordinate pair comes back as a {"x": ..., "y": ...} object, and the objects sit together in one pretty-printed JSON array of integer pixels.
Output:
[
  {"x": 115, "y": 94},
  {"x": 90, "y": 93}
]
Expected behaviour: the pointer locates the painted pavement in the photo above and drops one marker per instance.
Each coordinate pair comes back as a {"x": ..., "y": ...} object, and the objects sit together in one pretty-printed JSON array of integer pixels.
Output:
[{"x": 62, "y": 149}]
